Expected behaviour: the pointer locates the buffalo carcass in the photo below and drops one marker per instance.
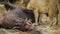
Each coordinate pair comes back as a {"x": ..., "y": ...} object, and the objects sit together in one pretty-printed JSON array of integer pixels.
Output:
[
  {"x": 28, "y": 13},
  {"x": 16, "y": 18}
]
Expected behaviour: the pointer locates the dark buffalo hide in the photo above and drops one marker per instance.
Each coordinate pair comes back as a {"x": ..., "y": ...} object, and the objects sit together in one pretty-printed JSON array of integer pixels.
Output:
[{"x": 16, "y": 18}]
